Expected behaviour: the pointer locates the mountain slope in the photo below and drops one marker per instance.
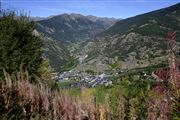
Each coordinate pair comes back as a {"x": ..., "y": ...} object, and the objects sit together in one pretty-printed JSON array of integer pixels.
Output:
[
  {"x": 167, "y": 17},
  {"x": 134, "y": 42},
  {"x": 73, "y": 27},
  {"x": 59, "y": 57},
  {"x": 64, "y": 32}
]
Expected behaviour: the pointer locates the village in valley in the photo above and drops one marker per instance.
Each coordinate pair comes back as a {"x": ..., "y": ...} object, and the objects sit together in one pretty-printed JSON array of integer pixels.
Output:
[{"x": 82, "y": 79}]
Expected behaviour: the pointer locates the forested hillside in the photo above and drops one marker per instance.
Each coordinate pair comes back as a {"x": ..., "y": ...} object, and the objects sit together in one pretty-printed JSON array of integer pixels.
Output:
[
  {"x": 62, "y": 33},
  {"x": 127, "y": 72},
  {"x": 135, "y": 42}
]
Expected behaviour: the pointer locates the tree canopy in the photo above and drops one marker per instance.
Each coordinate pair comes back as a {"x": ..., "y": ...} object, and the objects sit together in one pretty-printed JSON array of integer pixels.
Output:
[{"x": 20, "y": 48}]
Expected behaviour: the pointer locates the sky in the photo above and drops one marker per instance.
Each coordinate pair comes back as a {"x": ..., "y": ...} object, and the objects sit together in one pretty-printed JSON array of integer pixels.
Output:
[{"x": 102, "y": 8}]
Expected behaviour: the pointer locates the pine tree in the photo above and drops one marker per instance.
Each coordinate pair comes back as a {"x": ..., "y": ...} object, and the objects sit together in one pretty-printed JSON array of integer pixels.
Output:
[{"x": 19, "y": 47}]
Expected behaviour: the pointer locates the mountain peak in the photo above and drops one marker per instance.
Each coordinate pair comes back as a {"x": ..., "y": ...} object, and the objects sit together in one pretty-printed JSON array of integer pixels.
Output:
[{"x": 73, "y": 26}]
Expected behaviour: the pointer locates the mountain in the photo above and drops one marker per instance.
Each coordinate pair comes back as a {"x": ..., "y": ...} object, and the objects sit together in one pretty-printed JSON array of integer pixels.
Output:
[
  {"x": 37, "y": 18},
  {"x": 106, "y": 22},
  {"x": 63, "y": 33},
  {"x": 160, "y": 20},
  {"x": 133, "y": 42},
  {"x": 58, "y": 55},
  {"x": 73, "y": 27}
]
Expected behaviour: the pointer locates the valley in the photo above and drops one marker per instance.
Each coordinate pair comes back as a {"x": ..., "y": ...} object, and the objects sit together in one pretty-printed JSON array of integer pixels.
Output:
[
  {"x": 76, "y": 66},
  {"x": 109, "y": 44},
  {"x": 82, "y": 48}
]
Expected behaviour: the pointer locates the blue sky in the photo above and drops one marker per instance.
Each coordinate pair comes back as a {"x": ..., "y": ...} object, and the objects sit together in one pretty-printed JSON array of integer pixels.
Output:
[{"x": 102, "y": 8}]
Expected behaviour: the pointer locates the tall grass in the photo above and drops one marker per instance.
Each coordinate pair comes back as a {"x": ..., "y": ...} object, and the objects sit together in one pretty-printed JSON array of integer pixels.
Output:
[{"x": 22, "y": 100}]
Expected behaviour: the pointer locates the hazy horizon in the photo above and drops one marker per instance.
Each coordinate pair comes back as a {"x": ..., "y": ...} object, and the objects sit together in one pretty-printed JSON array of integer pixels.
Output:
[{"x": 101, "y": 8}]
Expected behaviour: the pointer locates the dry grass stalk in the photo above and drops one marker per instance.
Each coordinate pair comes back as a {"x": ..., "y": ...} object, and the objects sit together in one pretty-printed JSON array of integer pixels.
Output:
[{"x": 33, "y": 100}]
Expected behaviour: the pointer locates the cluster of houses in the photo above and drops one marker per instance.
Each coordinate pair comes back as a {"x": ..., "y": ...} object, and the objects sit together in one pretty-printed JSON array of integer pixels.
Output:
[{"x": 81, "y": 79}]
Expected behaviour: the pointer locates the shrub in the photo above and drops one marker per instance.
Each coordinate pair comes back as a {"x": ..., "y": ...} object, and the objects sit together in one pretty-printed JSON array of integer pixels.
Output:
[{"x": 19, "y": 46}]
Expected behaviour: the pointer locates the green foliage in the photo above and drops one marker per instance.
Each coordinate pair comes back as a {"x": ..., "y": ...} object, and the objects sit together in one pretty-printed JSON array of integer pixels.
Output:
[
  {"x": 116, "y": 65},
  {"x": 19, "y": 48},
  {"x": 151, "y": 30},
  {"x": 74, "y": 92},
  {"x": 89, "y": 71},
  {"x": 68, "y": 83},
  {"x": 67, "y": 65},
  {"x": 45, "y": 72},
  {"x": 100, "y": 93},
  {"x": 114, "y": 103}
]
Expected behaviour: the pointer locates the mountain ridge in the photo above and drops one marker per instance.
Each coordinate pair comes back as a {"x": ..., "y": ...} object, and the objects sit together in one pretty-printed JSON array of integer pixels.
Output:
[
  {"x": 73, "y": 27},
  {"x": 126, "y": 23},
  {"x": 63, "y": 32},
  {"x": 134, "y": 42}
]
